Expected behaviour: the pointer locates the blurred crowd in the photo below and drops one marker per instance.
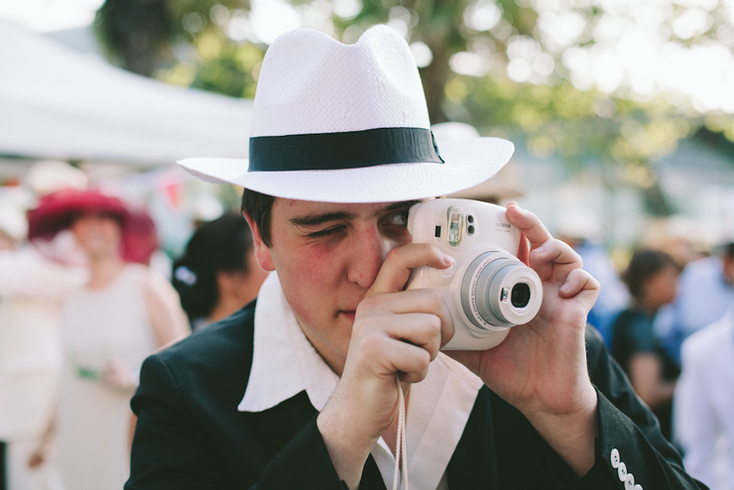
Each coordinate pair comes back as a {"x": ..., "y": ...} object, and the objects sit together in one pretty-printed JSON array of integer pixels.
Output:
[
  {"x": 81, "y": 307},
  {"x": 667, "y": 317}
]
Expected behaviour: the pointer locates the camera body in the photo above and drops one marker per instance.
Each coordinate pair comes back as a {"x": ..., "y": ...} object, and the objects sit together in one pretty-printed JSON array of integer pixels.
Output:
[{"x": 488, "y": 290}]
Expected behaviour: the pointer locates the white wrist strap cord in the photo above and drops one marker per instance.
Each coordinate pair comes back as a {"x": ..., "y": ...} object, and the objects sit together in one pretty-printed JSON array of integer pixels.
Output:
[{"x": 401, "y": 462}]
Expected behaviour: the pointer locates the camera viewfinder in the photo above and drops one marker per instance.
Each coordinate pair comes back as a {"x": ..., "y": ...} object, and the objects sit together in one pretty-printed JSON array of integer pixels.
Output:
[{"x": 455, "y": 222}]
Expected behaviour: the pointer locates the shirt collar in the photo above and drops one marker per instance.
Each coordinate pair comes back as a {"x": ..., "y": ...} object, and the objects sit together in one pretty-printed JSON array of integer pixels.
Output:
[{"x": 284, "y": 363}]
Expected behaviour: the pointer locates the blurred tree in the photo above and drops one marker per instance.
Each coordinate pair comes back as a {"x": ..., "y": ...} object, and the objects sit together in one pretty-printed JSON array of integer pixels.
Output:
[
  {"x": 184, "y": 42},
  {"x": 567, "y": 78},
  {"x": 138, "y": 32},
  {"x": 576, "y": 78}
]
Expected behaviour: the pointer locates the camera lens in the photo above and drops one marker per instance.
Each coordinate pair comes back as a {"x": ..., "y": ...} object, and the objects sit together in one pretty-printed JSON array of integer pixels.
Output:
[
  {"x": 497, "y": 290},
  {"x": 520, "y": 295}
]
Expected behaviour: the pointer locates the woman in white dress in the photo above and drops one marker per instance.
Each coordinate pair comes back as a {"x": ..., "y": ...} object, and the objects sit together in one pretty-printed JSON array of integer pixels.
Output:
[{"x": 123, "y": 314}]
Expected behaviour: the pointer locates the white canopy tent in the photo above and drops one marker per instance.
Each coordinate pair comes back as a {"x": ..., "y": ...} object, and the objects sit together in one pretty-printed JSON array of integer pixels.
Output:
[{"x": 59, "y": 104}]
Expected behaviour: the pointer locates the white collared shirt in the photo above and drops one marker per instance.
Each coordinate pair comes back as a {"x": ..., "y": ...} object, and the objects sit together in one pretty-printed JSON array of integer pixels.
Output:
[
  {"x": 284, "y": 363},
  {"x": 704, "y": 396}
]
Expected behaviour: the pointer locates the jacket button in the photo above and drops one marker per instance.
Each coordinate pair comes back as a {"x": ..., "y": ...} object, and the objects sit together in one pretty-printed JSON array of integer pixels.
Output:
[
  {"x": 622, "y": 472},
  {"x": 629, "y": 483},
  {"x": 638, "y": 487},
  {"x": 614, "y": 458}
]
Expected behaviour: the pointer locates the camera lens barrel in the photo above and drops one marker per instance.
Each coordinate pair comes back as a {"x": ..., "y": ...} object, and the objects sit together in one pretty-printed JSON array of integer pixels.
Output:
[{"x": 499, "y": 291}]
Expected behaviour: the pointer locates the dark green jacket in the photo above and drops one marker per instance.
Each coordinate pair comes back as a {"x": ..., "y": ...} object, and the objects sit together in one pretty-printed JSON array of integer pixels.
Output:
[{"x": 190, "y": 435}]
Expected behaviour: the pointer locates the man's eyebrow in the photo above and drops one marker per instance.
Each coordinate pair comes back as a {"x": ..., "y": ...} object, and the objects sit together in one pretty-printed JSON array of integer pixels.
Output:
[{"x": 317, "y": 219}]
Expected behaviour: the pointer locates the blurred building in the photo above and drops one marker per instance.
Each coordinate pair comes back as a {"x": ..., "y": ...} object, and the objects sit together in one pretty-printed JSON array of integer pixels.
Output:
[{"x": 693, "y": 192}]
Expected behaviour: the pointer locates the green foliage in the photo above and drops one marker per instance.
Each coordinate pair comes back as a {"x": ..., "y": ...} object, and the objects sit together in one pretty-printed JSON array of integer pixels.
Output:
[
  {"x": 183, "y": 42},
  {"x": 219, "y": 66},
  {"x": 137, "y": 32}
]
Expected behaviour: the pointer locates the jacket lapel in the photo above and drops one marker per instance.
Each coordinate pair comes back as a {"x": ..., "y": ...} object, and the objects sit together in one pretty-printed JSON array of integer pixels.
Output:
[{"x": 474, "y": 462}]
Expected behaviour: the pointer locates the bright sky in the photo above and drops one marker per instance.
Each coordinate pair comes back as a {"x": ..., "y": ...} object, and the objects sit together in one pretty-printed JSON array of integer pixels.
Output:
[
  {"x": 273, "y": 16},
  {"x": 640, "y": 48},
  {"x": 49, "y": 15}
]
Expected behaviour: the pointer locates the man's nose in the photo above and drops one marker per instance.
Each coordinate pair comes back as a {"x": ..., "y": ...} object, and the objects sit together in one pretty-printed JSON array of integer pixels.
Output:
[{"x": 367, "y": 255}]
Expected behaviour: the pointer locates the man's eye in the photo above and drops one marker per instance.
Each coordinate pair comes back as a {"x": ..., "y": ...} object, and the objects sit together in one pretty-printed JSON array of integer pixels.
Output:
[
  {"x": 399, "y": 218},
  {"x": 324, "y": 233}
]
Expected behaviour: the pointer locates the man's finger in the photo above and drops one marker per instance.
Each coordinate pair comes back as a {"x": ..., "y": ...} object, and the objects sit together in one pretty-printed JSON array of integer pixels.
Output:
[
  {"x": 395, "y": 271},
  {"x": 530, "y": 225},
  {"x": 557, "y": 252},
  {"x": 411, "y": 305},
  {"x": 577, "y": 281}
]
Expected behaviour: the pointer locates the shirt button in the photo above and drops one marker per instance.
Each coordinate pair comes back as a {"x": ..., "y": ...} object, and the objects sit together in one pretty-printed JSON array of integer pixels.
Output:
[
  {"x": 638, "y": 487},
  {"x": 629, "y": 483},
  {"x": 614, "y": 457},
  {"x": 622, "y": 472}
]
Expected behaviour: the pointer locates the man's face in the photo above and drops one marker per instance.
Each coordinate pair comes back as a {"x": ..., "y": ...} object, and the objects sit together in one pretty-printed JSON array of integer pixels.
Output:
[{"x": 327, "y": 255}]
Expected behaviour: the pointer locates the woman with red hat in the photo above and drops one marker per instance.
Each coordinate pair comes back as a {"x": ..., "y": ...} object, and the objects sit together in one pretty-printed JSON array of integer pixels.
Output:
[{"x": 123, "y": 314}]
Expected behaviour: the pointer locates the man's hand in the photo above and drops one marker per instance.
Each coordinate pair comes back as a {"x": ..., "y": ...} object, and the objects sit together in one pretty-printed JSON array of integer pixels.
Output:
[
  {"x": 394, "y": 331},
  {"x": 540, "y": 368}
]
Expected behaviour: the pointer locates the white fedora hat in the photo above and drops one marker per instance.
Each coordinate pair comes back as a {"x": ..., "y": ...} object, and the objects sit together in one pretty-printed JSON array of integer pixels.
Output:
[{"x": 348, "y": 123}]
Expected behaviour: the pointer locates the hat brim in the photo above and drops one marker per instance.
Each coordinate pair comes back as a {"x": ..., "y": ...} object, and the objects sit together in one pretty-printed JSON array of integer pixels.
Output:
[
  {"x": 57, "y": 211},
  {"x": 467, "y": 163}
]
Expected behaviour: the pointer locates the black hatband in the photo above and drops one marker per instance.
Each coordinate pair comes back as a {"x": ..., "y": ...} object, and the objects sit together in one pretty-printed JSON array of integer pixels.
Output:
[{"x": 353, "y": 149}]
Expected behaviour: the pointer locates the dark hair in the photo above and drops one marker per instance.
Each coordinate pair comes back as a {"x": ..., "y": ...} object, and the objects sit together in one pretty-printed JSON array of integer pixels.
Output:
[
  {"x": 644, "y": 264},
  {"x": 216, "y": 246},
  {"x": 259, "y": 208}
]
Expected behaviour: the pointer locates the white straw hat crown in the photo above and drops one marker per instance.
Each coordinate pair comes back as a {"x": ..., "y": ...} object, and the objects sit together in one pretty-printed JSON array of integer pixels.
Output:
[
  {"x": 348, "y": 123},
  {"x": 329, "y": 87}
]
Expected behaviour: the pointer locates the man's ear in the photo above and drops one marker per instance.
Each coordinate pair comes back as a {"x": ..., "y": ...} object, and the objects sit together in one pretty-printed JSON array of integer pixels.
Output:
[{"x": 262, "y": 252}]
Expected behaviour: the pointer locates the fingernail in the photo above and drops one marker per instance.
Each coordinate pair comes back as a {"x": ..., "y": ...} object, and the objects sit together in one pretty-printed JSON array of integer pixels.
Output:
[
  {"x": 566, "y": 286},
  {"x": 519, "y": 208},
  {"x": 540, "y": 250}
]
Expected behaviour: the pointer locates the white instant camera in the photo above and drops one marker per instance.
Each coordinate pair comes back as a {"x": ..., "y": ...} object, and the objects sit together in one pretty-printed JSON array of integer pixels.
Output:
[{"x": 488, "y": 290}]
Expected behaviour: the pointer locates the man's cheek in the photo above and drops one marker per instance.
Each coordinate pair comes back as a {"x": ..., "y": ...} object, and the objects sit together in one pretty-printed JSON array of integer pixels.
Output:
[{"x": 316, "y": 267}]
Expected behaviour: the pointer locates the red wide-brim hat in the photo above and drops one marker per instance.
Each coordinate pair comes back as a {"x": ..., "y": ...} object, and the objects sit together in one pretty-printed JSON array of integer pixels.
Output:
[{"x": 57, "y": 211}]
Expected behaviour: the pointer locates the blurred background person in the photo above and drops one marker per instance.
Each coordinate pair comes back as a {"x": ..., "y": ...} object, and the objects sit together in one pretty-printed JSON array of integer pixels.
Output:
[
  {"x": 706, "y": 291},
  {"x": 680, "y": 236},
  {"x": 121, "y": 315},
  {"x": 32, "y": 288},
  {"x": 218, "y": 273},
  {"x": 703, "y": 410},
  {"x": 652, "y": 280}
]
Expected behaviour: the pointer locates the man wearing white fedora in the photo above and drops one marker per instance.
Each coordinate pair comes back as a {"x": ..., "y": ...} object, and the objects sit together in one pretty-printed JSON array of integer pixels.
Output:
[{"x": 298, "y": 390}]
